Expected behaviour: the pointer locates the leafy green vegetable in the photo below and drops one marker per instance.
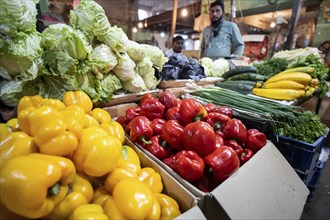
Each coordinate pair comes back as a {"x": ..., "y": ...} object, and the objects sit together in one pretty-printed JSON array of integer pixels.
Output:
[
  {"x": 63, "y": 38},
  {"x": 308, "y": 128},
  {"x": 102, "y": 60},
  {"x": 18, "y": 16},
  {"x": 20, "y": 56},
  {"x": 271, "y": 67},
  {"x": 90, "y": 18}
]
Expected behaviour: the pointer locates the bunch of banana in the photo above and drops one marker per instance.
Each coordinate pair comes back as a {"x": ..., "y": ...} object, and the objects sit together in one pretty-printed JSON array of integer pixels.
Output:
[{"x": 289, "y": 85}]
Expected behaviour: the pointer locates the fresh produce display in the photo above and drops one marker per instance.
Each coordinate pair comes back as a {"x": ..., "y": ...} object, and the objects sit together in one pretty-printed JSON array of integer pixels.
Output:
[
  {"x": 204, "y": 144},
  {"x": 90, "y": 55},
  {"x": 287, "y": 120},
  {"x": 66, "y": 160}
]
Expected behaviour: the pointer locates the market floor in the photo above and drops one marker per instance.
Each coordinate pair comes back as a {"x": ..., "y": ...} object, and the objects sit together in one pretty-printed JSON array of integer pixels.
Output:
[{"x": 318, "y": 206}]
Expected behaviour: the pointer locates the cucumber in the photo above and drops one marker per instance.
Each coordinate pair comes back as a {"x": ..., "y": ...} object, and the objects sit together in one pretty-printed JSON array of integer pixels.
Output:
[
  {"x": 249, "y": 76},
  {"x": 239, "y": 87},
  {"x": 238, "y": 70}
]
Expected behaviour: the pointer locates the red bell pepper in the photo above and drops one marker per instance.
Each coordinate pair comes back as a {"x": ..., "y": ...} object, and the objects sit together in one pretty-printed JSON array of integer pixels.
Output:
[
  {"x": 172, "y": 133},
  {"x": 156, "y": 149},
  {"x": 188, "y": 164},
  {"x": 179, "y": 102},
  {"x": 218, "y": 141},
  {"x": 246, "y": 156},
  {"x": 223, "y": 162},
  {"x": 132, "y": 113},
  {"x": 199, "y": 136},
  {"x": 255, "y": 140},
  {"x": 141, "y": 130},
  {"x": 218, "y": 121},
  {"x": 152, "y": 108},
  {"x": 209, "y": 107},
  {"x": 191, "y": 110},
  {"x": 207, "y": 183},
  {"x": 224, "y": 110},
  {"x": 168, "y": 99},
  {"x": 235, "y": 130},
  {"x": 157, "y": 125},
  {"x": 122, "y": 120},
  {"x": 146, "y": 96},
  {"x": 235, "y": 146},
  {"x": 173, "y": 114},
  {"x": 170, "y": 160}
]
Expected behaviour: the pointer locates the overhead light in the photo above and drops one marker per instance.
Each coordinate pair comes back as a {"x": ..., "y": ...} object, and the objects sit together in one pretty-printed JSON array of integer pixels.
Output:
[
  {"x": 162, "y": 34},
  {"x": 134, "y": 29},
  {"x": 272, "y": 25},
  {"x": 184, "y": 12},
  {"x": 140, "y": 25},
  {"x": 145, "y": 23}
]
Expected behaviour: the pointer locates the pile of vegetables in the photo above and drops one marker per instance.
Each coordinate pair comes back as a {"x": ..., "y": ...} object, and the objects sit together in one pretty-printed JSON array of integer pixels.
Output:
[
  {"x": 89, "y": 54},
  {"x": 214, "y": 68},
  {"x": 289, "y": 85},
  {"x": 290, "y": 121},
  {"x": 65, "y": 160},
  {"x": 192, "y": 138}
]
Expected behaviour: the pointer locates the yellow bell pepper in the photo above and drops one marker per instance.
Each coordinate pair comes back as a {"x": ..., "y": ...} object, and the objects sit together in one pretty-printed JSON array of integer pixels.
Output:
[
  {"x": 110, "y": 208},
  {"x": 100, "y": 195},
  {"x": 55, "y": 103},
  {"x": 80, "y": 193},
  {"x": 97, "y": 153},
  {"x": 13, "y": 124},
  {"x": 133, "y": 199},
  {"x": 115, "y": 130},
  {"x": 78, "y": 98},
  {"x": 31, "y": 185},
  {"x": 90, "y": 212},
  {"x": 16, "y": 144},
  {"x": 5, "y": 130},
  {"x": 152, "y": 179},
  {"x": 90, "y": 121},
  {"x": 101, "y": 115},
  {"x": 53, "y": 138},
  {"x": 29, "y": 101},
  {"x": 75, "y": 111},
  {"x": 31, "y": 119},
  {"x": 127, "y": 167},
  {"x": 169, "y": 207}
]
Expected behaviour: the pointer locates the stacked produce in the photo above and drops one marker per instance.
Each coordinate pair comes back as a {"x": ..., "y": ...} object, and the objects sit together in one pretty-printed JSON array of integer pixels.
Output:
[
  {"x": 290, "y": 121},
  {"x": 242, "y": 79},
  {"x": 214, "y": 68},
  {"x": 289, "y": 85},
  {"x": 89, "y": 55},
  {"x": 191, "y": 138},
  {"x": 65, "y": 160}
]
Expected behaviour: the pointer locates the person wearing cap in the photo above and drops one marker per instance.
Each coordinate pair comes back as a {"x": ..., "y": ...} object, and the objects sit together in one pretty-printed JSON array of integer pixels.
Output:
[
  {"x": 222, "y": 39},
  {"x": 177, "y": 45}
]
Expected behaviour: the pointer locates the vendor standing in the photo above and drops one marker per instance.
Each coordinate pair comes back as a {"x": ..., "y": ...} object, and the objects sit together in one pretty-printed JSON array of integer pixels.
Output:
[{"x": 222, "y": 39}]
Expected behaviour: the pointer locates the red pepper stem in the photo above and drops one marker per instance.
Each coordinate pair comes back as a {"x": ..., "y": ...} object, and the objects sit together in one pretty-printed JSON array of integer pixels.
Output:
[
  {"x": 243, "y": 154},
  {"x": 198, "y": 117},
  {"x": 143, "y": 139},
  {"x": 54, "y": 189},
  {"x": 217, "y": 126},
  {"x": 164, "y": 144}
]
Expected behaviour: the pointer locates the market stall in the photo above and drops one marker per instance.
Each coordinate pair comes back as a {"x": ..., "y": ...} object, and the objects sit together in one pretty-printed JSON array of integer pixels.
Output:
[{"x": 98, "y": 126}]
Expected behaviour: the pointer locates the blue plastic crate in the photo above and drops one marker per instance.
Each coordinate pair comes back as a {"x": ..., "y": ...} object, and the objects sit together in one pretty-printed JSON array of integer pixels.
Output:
[
  {"x": 314, "y": 181},
  {"x": 302, "y": 156}
]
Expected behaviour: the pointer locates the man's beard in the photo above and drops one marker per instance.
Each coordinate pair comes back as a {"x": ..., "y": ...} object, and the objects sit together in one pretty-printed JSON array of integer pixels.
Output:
[{"x": 216, "y": 22}]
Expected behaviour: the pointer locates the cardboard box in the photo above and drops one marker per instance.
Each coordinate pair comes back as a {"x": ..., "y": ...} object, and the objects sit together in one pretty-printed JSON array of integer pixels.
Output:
[
  {"x": 186, "y": 200},
  {"x": 266, "y": 187}
]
